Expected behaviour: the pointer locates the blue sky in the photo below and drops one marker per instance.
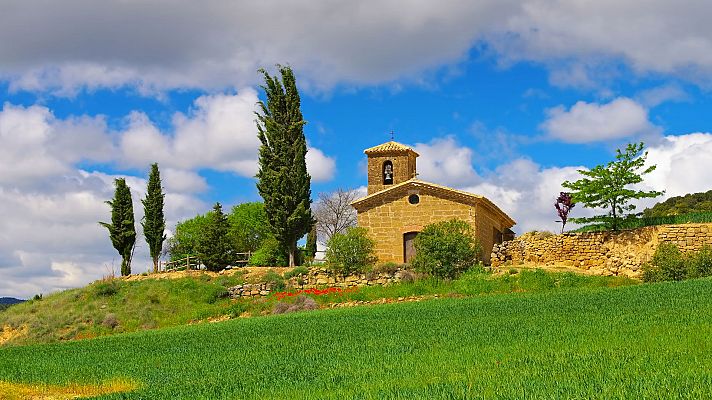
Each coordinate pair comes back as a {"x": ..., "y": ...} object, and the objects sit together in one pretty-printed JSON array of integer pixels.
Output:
[{"x": 502, "y": 98}]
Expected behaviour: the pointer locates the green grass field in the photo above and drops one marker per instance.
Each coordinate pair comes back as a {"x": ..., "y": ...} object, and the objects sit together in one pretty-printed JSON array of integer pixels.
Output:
[{"x": 645, "y": 341}]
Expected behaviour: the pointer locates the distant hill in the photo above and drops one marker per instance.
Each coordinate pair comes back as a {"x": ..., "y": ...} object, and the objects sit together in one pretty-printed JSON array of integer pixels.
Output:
[
  {"x": 678, "y": 205},
  {"x": 10, "y": 300}
]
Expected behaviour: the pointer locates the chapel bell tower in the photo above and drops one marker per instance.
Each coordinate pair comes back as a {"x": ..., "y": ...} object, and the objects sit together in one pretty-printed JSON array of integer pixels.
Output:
[{"x": 389, "y": 164}]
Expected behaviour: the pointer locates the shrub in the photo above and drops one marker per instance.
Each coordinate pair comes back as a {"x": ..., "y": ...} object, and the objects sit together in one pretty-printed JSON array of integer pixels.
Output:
[
  {"x": 270, "y": 254},
  {"x": 668, "y": 264},
  {"x": 110, "y": 321},
  {"x": 388, "y": 268},
  {"x": 275, "y": 280},
  {"x": 700, "y": 264},
  {"x": 408, "y": 276},
  {"x": 301, "y": 303},
  {"x": 445, "y": 249},
  {"x": 107, "y": 287},
  {"x": 350, "y": 252},
  {"x": 298, "y": 271}
]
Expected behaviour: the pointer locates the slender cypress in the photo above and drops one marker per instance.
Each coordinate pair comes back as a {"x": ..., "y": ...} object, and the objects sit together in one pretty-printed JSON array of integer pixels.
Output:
[
  {"x": 311, "y": 244},
  {"x": 154, "y": 222},
  {"x": 283, "y": 180},
  {"x": 122, "y": 230},
  {"x": 214, "y": 247}
]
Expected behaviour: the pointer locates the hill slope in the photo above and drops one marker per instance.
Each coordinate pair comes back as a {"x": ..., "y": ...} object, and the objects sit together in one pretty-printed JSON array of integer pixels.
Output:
[
  {"x": 641, "y": 341},
  {"x": 678, "y": 205}
]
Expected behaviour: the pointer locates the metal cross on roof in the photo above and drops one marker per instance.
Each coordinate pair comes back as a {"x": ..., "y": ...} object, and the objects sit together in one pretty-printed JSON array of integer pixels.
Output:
[{"x": 392, "y": 135}]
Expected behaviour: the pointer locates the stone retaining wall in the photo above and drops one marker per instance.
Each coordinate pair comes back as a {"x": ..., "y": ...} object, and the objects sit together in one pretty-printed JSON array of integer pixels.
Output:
[
  {"x": 602, "y": 253},
  {"x": 319, "y": 278}
]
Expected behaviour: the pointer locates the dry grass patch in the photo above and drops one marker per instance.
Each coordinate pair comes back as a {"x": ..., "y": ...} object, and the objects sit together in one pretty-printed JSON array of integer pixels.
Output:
[{"x": 40, "y": 391}]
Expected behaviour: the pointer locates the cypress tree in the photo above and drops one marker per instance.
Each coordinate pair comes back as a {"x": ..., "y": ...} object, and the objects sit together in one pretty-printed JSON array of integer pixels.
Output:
[
  {"x": 214, "y": 246},
  {"x": 154, "y": 222},
  {"x": 122, "y": 230},
  {"x": 311, "y": 244},
  {"x": 283, "y": 181}
]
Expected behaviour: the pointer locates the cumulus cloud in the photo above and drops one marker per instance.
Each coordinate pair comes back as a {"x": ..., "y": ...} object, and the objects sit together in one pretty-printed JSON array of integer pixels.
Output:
[
  {"x": 79, "y": 44},
  {"x": 447, "y": 161},
  {"x": 593, "y": 122}
]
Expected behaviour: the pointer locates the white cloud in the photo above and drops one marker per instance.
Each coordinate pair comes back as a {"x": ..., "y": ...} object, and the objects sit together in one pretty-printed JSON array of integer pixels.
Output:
[
  {"x": 661, "y": 94},
  {"x": 64, "y": 47},
  {"x": 321, "y": 167},
  {"x": 592, "y": 122},
  {"x": 445, "y": 160}
]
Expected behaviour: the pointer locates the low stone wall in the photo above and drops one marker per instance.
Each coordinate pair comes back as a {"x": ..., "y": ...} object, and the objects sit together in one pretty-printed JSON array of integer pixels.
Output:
[
  {"x": 602, "y": 253},
  {"x": 319, "y": 278}
]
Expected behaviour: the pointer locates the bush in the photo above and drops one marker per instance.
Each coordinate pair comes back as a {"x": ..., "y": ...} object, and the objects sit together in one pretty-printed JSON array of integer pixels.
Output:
[
  {"x": 110, "y": 321},
  {"x": 107, "y": 287},
  {"x": 668, "y": 264},
  {"x": 350, "y": 252},
  {"x": 275, "y": 280},
  {"x": 298, "y": 271},
  {"x": 301, "y": 303},
  {"x": 270, "y": 254},
  {"x": 700, "y": 264},
  {"x": 388, "y": 268},
  {"x": 445, "y": 249}
]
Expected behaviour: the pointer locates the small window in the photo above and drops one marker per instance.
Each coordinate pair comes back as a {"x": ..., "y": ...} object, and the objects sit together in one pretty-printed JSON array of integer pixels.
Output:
[
  {"x": 388, "y": 173},
  {"x": 413, "y": 199}
]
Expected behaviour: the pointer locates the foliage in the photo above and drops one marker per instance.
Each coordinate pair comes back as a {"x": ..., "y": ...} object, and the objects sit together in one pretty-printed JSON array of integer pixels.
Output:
[
  {"x": 122, "y": 230},
  {"x": 563, "y": 206},
  {"x": 633, "y": 223},
  {"x": 214, "y": 247},
  {"x": 248, "y": 226},
  {"x": 106, "y": 287},
  {"x": 700, "y": 263},
  {"x": 301, "y": 303},
  {"x": 350, "y": 252},
  {"x": 275, "y": 280},
  {"x": 334, "y": 213},
  {"x": 447, "y": 248},
  {"x": 296, "y": 271},
  {"x": 668, "y": 264},
  {"x": 310, "y": 248},
  {"x": 271, "y": 254},
  {"x": 283, "y": 180},
  {"x": 154, "y": 222},
  {"x": 607, "y": 187},
  {"x": 184, "y": 241},
  {"x": 693, "y": 203}
]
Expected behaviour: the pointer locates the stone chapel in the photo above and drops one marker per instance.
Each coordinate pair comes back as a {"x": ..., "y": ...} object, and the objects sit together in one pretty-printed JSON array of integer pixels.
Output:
[{"x": 398, "y": 205}]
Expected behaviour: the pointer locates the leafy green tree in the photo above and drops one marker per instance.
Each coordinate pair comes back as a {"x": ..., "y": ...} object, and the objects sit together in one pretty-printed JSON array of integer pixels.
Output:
[
  {"x": 184, "y": 241},
  {"x": 350, "y": 252},
  {"x": 248, "y": 226},
  {"x": 310, "y": 248},
  {"x": 608, "y": 187},
  {"x": 154, "y": 222},
  {"x": 122, "y": 229},
  {"x": 214, "y": 248},
  {"x": 270, "y": 254},
  {"x": 283, "y": 180},
  {"x": 447, "y": 248}
]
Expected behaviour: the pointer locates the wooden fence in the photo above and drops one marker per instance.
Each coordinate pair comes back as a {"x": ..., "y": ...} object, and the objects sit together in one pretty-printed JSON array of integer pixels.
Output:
[{"x": 193, "y": 263}]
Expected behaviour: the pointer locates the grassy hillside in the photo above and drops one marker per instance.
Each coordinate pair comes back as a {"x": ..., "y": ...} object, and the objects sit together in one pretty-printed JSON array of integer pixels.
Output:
[
  {"x": 693, "y": 203},
  {"x": 642, "y": 341},
  {"x": 120, "y": 306}
]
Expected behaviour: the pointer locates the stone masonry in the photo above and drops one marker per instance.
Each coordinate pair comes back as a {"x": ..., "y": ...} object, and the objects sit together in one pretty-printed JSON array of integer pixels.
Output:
[{"x": 602, "y": 253}]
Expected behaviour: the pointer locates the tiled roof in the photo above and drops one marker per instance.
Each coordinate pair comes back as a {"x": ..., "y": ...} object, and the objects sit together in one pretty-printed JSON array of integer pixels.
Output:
[
  {"x": 389, "y": 147},
  {"x": 454, "y": 194}
]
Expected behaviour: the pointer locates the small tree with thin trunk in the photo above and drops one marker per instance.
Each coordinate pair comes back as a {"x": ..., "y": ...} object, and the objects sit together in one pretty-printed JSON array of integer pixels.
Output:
[
  {"x": 283, "y": 181},
  {"x": 334, "y": 213},
  {"x": 154, "y": 222},
  {"x": 563, "y": 206},
  {"x": 122, "y": 230},
  {"x": 608, "y": 187},
  {"x": 310, "y": 248}
]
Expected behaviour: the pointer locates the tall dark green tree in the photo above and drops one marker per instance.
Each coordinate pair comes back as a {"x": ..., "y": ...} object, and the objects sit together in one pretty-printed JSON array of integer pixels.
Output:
[
  {"x": 122, "y": 229},
  {"x": 310, "y": 250},
  {"x": 214, "y": 246},
  {"x": 609, "y": 187},
  {"x": 154, "y": 222},
  {"x": 284, "y": 182}
]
